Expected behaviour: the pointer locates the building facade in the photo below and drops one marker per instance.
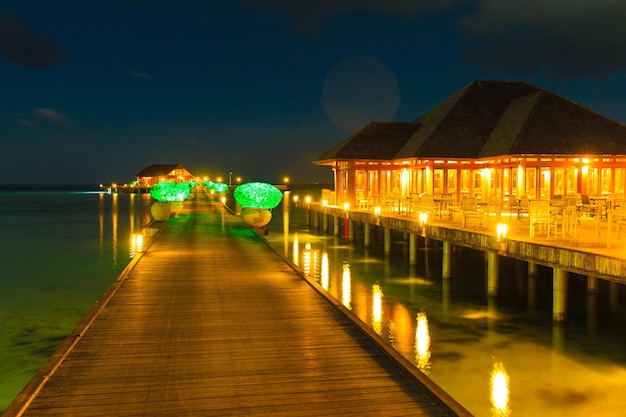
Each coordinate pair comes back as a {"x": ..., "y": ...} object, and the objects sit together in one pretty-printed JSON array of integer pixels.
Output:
[
  {"x": 153, "y": 174},
  {"x": 493, "y": 140}
]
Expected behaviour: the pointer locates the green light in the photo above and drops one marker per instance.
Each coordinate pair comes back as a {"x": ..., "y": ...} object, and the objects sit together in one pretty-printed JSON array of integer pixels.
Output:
[
  {"x": 170, "y": 191},
  {"x": 218, "y": 187},
  {"x": 257, "y": 195}
]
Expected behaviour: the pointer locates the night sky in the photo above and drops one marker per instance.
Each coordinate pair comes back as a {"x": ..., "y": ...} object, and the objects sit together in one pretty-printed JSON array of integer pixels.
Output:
[{"x": 94, "y": 91}]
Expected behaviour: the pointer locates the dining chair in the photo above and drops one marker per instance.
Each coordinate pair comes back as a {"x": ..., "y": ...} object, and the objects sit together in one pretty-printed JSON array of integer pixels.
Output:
[
  {"x": 521, "y": 207},
  {"x": 540, "y": 216},
  {"x": 428, "y": 203},
  {"x": 471, "y": 210}
]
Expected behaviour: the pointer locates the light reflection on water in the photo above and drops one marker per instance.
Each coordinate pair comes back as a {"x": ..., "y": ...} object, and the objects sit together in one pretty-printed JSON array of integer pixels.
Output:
[
  {"x": 574, "y": 370},
  {"x": 60, "y": 252}
]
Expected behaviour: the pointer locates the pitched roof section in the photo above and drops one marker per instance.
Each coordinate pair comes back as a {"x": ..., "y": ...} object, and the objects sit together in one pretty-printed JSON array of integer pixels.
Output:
[
  {"x": 376, "y": 141},
  {"x": 159, "y": 170},
  {"x": 546, "y": 123},
  {"x": 486, "y": 119},
  {"x": 459, "y": 127}
]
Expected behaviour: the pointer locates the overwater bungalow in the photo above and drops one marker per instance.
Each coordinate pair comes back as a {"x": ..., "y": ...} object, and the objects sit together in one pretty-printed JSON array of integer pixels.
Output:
[
  {"x": 155, "y": 173},
  {"x": 493, "y": 140}
]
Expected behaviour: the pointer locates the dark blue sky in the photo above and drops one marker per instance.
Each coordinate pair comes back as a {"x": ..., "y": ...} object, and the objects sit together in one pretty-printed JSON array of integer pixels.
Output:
[{"x": 94, "y": 91}]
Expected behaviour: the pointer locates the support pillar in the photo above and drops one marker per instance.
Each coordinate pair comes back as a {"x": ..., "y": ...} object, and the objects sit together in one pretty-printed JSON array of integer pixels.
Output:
[
  {"x": 532, "y": 290},
  {"x": 367, "y": 233},
  {"x": 559, "y": 295},
  {"x": 308, "y": 218},
  {"x": 387, "y": 243},
  {"x": 493, "y": 268},
  {"x": 412, "y": 249},
  {"x": 336, "y": 229},
  {"x": 593, "y": 291},
  {"x": 325, "y": 223},
  {"x": 316, "y": 220},
  {"x": 446, "y": 267},
  {"x": 613, "y": 296},
  {"x": 350, "y": 230}
]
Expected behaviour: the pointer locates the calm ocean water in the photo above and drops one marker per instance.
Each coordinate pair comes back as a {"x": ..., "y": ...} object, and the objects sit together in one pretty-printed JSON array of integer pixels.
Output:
[
  {"x": 61, "y": 250},
  {"x": 62, "y": 247},
  {"x": 574, "y": 370}
]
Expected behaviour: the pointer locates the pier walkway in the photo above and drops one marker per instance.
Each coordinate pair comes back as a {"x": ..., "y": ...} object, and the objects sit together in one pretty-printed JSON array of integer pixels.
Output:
[{"x": 209, "y": 321}]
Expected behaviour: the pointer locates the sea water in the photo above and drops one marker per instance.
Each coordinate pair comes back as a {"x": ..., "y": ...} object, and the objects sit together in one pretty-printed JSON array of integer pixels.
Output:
[
  {"x": 574, "y": 369},
  {"x": 61, "y": 249}
]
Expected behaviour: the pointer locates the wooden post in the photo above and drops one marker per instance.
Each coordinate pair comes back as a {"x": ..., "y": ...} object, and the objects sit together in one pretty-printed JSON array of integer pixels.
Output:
[
  {"x": 412, "y": 249},
  {"x": 493, "y": 267},
  {"x": 367, "y": 233},
  {"x": 446, "y": 267},
  {"x": 592, "y": 284},
  {"x": 350, "y": 230},
  {"x": 559, "y": 296},
  {"x": 387, "y": 244}
]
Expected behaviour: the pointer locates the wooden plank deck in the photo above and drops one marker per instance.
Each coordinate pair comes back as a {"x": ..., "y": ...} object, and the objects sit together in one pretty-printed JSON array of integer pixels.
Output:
[{"x": 211, "y": 322}]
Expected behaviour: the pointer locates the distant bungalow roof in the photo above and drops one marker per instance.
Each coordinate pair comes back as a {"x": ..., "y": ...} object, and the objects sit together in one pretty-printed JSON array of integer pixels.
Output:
[
  {"x": 159, "y": 170},
  {"x": 487, "y": 119}
]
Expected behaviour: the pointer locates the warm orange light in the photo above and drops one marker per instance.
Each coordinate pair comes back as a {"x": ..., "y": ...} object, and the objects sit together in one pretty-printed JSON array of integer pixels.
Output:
[{"x": 499, "y": 391}]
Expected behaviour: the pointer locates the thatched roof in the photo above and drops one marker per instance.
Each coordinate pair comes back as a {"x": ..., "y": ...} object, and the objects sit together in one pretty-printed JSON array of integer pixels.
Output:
[
  {"x": 159, "y": 170},
  {"x": 486, "y": 119},
  {"x": 377, "y": 140}
]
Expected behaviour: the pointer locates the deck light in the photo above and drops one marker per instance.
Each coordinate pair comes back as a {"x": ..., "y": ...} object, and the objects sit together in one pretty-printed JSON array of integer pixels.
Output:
[
  {"x": 423, "y": 219},
  {"x": 501, "y": 231}
]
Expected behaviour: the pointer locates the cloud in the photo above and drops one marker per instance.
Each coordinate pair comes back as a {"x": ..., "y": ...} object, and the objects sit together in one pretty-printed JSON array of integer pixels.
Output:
[
  {"x": 51, "y": 115},
  {"x": 563, "y": 38},
  {"x": 26, "y": 48},
  {"x": 140, "y": 74},
  {"x": 23, "y": 121}
]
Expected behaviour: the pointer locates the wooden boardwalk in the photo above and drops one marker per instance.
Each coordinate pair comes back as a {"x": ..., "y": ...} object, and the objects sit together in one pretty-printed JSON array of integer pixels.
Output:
[{"x": 209, "y": 321}]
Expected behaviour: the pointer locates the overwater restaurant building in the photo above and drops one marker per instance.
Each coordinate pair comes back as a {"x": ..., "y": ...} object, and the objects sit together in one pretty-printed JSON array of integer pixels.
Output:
[
  {"x": 163, "y": 173},
  {"x": 493, "y": 140}
]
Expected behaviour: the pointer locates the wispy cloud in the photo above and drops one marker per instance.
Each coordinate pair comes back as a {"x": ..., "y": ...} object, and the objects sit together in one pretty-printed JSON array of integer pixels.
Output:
[
  {"x": 51, "y": 115},
  {"x": 23, "y": 121},
  {"x": 564, "y": 38},
  {"x": 141, "y": 74},
  {"x": 24, "y": 47}
]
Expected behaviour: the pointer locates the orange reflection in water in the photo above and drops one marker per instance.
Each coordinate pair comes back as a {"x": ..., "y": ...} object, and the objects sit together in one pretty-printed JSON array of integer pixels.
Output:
[
  {"x": 377, "y": 308},
  {"x": 136, "y": 244},
  {"x": 324, "y": 273},
  {"x": 422, "y": 343},
  {"x": 296, "y": 250},
  {"x": 346, "y": 286},
  {"x": 499, "y": 384}
]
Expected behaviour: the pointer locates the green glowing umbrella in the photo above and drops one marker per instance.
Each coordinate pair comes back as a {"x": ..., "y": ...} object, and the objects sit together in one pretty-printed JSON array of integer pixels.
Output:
[{"x": 257, "y": 195}]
